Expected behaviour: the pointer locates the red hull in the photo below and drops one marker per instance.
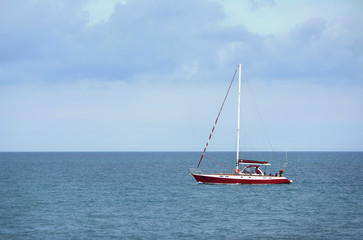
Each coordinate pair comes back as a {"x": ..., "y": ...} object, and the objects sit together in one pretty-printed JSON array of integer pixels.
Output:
[{"x": 233, "y": 179}]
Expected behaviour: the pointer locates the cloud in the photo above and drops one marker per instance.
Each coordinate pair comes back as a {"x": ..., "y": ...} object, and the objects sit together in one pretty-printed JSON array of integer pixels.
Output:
[
  {"x": 255, "y": 4},
  {"x": 308, "y": 31},
  {"x": 53, "y": 41},
  {"x": 40, "y": 39},
  {"x": 140, "y": 37},
  {"x": 312, "y": 51}
]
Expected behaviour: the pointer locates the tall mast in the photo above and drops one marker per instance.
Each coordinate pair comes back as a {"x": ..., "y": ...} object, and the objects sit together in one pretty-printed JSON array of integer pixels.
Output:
[{"x": 239, "y": 111}]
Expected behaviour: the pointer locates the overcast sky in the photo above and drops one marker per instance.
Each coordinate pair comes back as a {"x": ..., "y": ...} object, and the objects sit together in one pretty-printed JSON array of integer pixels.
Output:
[{"x": 137, "y": 75}]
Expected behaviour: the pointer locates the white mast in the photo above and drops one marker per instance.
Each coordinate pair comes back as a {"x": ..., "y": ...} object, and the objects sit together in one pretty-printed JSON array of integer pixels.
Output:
[{"x": 239, "y": 111}]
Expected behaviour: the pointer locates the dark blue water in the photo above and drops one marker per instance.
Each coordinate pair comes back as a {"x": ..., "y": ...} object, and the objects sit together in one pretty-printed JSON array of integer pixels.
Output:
[{"x": 151, "y": 196}]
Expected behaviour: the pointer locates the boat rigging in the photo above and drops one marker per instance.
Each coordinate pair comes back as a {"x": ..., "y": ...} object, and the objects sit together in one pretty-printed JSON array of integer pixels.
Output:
[{"x": 251, "y": 172}]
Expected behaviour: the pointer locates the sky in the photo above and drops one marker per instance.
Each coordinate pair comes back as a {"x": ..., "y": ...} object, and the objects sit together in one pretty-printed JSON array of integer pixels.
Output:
[{"x": 137, "y": 75}]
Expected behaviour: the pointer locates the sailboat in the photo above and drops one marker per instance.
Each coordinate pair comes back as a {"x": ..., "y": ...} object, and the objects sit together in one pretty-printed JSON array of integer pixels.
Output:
[{"x": 246, "y": 171}]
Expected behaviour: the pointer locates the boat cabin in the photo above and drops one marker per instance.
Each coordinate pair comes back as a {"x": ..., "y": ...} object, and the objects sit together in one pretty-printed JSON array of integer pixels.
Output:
[{"x": 253, "y": 167}]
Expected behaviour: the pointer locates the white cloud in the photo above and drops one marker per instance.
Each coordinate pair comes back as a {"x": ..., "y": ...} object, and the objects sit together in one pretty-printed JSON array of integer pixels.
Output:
[
  {"x": 100, "y": 11},
  {"x": 54, "y": 42}
]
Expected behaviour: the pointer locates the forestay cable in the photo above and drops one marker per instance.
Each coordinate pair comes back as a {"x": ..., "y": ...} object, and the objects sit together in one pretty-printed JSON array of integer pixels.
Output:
[{"x": 215, "y": 123}]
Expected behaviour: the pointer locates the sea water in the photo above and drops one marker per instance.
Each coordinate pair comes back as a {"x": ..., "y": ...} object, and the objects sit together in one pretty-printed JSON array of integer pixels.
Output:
[{"x": 142, "y": 195}]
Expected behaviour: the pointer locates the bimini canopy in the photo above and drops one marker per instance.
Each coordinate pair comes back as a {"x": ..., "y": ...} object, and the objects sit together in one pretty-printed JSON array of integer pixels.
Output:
[{"x": 253, "y": 162}]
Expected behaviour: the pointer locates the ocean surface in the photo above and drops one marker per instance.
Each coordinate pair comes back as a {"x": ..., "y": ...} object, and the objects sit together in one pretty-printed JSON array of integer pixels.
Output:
[{"x": 140, "y": 195}]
